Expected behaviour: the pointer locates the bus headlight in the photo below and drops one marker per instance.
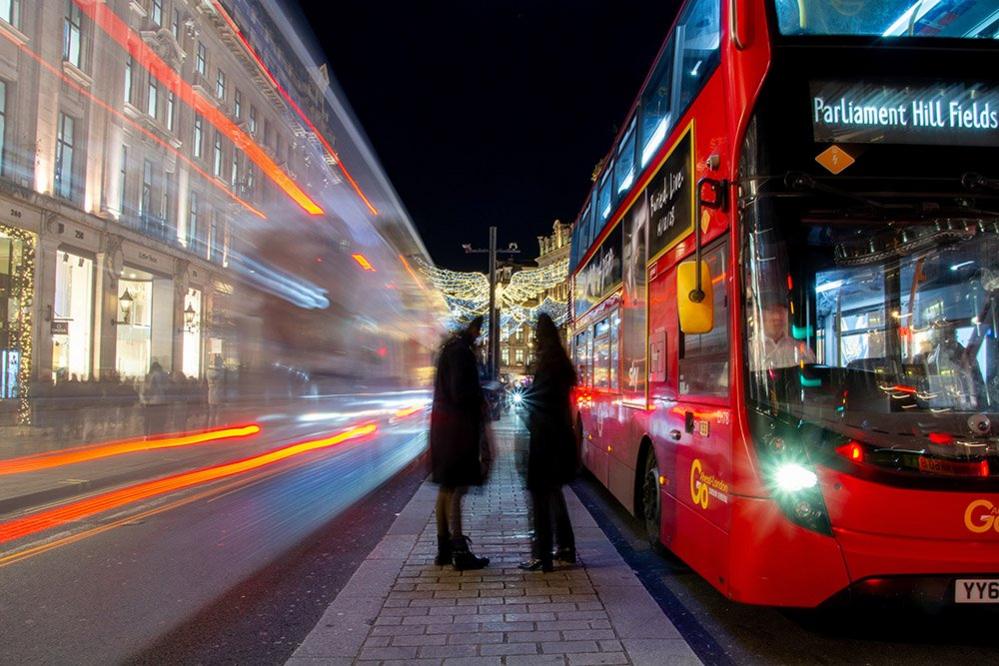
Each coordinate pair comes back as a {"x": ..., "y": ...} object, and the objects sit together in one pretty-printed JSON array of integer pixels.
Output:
[
  {"x": 518, "y": 398},
  {"x": 793, "y": 478},
  {"x": 797, "y": 492}
]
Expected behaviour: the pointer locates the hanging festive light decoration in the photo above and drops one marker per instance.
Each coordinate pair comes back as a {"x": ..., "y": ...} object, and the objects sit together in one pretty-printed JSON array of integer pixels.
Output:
[{"x": 467, "y": 294}]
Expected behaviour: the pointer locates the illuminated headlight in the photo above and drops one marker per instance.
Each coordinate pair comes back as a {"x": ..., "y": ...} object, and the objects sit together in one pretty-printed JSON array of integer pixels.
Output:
[
  {"x": 793, "y": 478},
  {"x": 518, "y": 398}
]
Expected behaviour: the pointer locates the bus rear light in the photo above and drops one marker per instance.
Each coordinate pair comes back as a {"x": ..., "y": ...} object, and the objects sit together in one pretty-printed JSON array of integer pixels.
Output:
[
  {"x": 852, "y": 451},
  {"x": 941, "y": 438}
]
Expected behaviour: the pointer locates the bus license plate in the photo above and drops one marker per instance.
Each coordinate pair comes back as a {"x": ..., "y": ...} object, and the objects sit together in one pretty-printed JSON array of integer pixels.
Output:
[{"x": 976, "y": 591}]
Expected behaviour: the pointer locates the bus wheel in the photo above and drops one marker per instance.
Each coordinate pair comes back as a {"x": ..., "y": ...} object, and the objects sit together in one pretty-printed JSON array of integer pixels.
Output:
[{"x": 651, "y": 502}]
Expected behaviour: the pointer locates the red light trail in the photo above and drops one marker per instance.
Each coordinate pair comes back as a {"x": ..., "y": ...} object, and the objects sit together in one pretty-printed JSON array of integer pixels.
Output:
[
  {"x": 133, "y": 44},
  {"x": 61, "y": 515},
  {"x": 86, "y": 453}
]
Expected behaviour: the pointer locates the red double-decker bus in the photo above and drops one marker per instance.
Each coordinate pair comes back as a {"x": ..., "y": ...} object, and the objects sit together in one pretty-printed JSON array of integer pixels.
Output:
[{"x": 786, "y": 300}]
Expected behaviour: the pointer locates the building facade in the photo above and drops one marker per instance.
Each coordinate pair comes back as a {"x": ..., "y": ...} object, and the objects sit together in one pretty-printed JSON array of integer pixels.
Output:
[
  {"x": 141, "y": 142},
  {"x": 553, "y": 249},
  {"x": 517, "y": 344}
]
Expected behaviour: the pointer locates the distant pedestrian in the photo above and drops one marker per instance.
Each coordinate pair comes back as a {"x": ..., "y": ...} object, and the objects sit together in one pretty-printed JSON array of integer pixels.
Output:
[
  {"x": 553, "y": 453},
  {"x": 458, "y": 456},
  {"x": 153, "y": 395},
  {"x": 215, "y": 377}
]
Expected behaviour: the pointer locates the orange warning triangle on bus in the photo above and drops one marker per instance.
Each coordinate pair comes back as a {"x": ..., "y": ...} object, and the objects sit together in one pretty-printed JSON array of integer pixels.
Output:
[{"x": 835, "y": 159}]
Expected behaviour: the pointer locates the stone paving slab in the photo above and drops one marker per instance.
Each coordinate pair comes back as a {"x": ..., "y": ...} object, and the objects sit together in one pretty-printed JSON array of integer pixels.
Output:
[{"x": 401, "y": 608}]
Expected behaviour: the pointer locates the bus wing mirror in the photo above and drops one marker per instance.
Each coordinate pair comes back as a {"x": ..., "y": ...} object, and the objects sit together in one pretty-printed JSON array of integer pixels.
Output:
[{"x": 695, "y": 306}]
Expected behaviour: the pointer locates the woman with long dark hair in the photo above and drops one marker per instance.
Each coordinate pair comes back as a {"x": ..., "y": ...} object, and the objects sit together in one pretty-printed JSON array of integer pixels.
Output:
[{"x": 553, "y": 454}]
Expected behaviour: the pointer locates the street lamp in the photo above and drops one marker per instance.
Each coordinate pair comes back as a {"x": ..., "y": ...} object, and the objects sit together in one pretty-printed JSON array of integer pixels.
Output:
[
  {"x": 189, "y": 318},
  {"x": 512, "y": 248},
  {"x": 125, "y": 302}
]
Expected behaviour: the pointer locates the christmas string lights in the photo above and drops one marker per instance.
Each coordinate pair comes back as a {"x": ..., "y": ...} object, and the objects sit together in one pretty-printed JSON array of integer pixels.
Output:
[
  {"x": 467, "y": 294},
  {"x": 22, "y": 290}
]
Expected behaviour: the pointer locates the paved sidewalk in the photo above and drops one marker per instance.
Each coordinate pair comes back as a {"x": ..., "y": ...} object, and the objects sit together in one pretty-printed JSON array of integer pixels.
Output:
[{"x": 401, "y": 608}]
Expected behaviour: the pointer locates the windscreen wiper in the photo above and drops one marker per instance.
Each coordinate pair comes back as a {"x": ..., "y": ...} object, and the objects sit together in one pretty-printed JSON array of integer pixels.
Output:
[
  {"x": 800, "y": 181},
  {"x": 976, "y": 181}
]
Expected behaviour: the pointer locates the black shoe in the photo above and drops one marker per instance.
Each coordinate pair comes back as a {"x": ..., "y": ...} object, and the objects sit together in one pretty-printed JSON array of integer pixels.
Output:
[
  {"x": 567, "y": 555},
  {"x": 462, "y": 558},
  {"x": 443, "y": 551},
  {"x": 537, "y": 564}
]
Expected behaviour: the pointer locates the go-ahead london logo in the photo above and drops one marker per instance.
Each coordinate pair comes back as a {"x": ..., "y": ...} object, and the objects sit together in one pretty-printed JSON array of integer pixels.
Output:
[{"x": 981, "y": 516}]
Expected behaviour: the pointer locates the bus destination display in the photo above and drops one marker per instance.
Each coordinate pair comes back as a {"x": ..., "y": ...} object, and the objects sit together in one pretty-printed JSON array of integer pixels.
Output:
[{"x": 952, "y": 114}]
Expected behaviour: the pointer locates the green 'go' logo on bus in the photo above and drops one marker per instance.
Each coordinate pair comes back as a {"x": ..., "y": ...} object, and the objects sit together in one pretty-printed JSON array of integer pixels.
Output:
[{"x": 981, "y": 516}]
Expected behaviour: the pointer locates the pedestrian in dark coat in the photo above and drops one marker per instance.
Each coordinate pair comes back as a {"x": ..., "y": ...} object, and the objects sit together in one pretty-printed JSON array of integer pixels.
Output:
[
  {"x": 458, "y": 454},
  {"x": 553, "y": 453}
]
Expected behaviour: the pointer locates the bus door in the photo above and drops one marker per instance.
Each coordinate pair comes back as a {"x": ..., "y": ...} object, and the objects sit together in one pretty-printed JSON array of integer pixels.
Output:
[
  {"x": 701, "y": 426},
  {"x": 662, "y": 376}
]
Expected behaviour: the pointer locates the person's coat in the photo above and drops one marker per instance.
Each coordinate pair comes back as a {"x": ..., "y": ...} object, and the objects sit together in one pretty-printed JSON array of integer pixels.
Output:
[
  {"x": 456, "y": 420},
  {"x": 553, "y": 454}
]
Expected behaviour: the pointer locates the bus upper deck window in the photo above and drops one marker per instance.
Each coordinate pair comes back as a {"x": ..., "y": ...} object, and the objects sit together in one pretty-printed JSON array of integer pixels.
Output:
[{"x": 657, "y": 103}]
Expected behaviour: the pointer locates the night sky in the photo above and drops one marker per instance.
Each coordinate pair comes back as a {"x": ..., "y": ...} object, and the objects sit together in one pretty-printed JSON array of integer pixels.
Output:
[{"x": 486, "y": 112}]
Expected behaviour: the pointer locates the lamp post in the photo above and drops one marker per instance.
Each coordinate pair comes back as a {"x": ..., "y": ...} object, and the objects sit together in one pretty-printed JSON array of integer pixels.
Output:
[
  {"x": 125, "y": 302},
  {"x": 493, "y": 312}
]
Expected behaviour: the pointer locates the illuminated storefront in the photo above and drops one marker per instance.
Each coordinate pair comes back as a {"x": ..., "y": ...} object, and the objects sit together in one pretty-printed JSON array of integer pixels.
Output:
[
  {"x": 145, "y": 322},
  {"x": 72, "y": 316},
  {"x": 17, "y": 259},
  {"x": 192, "y": 333}
]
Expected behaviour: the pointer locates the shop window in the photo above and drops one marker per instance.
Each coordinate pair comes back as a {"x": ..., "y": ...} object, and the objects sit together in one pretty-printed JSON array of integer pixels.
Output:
[
  {"x": 72, "y": 316},
  {"x": 15, "y": 291},
  {"x": 704, "y": 358},
  {"x": 65, "y": 147},
  {"x": 191, "y": 363},
  {"x": 134, "y": 327}
]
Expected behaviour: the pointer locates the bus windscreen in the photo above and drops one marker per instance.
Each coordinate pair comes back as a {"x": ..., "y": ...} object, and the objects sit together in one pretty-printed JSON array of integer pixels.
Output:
[{"x": 978, "y": 19}]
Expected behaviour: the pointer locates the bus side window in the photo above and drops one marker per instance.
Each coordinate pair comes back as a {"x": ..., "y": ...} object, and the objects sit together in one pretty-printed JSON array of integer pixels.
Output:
[
  {"x": 704, "y": 358},
  {"x": 699, "y": 30}
]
